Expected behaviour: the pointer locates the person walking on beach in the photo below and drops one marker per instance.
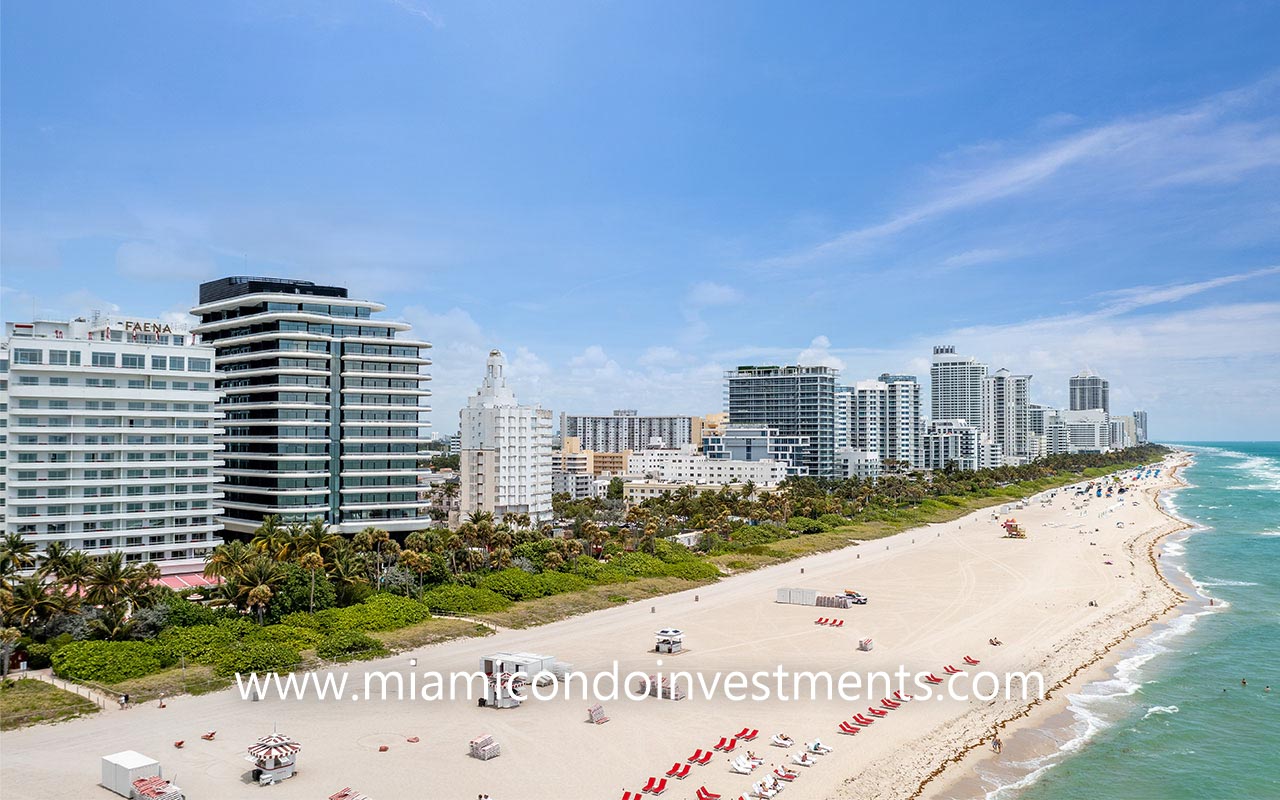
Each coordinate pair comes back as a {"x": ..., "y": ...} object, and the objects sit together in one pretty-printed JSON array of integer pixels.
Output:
[{"x": 997, "y": 745}]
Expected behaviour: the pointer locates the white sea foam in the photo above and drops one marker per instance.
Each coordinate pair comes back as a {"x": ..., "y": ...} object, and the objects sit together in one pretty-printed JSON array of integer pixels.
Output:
[
  {"x": 1160, "y": 710},
  {"x": 1224, "y": 582}
]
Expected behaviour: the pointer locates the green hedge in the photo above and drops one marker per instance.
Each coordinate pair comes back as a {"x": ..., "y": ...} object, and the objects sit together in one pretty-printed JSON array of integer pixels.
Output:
[
  {"x": 349, "y": 645},
  {"x": 198, "y": 644},
  {"x": 257, "y": 657},
  {"x": 455, "y": 599},
  {"x": 107, "y": 662},
  {"x": 514, "y": 584},
  {"x": 381, "y": 612}
]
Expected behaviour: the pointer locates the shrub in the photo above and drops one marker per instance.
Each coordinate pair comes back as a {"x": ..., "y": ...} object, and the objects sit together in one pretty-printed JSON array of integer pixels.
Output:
[
  {"x": 455, "y": 599},
  {"x": 289, "y": 636},
  {"x": 561, "y": 582},
  {"x": 198, "y": 644},
  {"x": 830, "y": 521},
  {"x": 805, "y": 525},
  {"x": 348, "y": 645},
  {"x": 107, "y": 662},
  {"x": 638, "y": 565},
  {"x": 39, "y": 655},
  {"x": 382, "y": 612},
  {"x": 258, "y": 656},
  {"x": 692, "y": 570},
  {"x": 513, "y": 584},
  {"x": 184, "y": 613}
]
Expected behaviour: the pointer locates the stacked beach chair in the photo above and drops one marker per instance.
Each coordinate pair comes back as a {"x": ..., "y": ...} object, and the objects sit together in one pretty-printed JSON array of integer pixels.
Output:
[{"x": 485, "y": 748}]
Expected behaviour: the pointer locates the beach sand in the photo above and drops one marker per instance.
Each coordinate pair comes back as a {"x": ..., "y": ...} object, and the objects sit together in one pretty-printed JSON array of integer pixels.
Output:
[{"x": 937, "y": 593}]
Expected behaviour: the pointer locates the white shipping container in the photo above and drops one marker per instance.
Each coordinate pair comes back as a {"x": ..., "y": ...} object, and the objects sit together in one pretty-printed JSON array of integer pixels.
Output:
[
  {"x": 120, "y": 770},
  {"x": 784, "y": 595},
  {"x": 807, "y": 597}
]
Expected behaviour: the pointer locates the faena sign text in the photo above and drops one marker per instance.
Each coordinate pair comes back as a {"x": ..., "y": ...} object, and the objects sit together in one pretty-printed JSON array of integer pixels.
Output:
[{"x": 157, "y": 328}]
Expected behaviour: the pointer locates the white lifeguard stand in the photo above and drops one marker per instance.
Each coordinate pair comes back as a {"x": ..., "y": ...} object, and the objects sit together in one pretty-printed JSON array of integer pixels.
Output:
[{"x": 670, "y": 640}]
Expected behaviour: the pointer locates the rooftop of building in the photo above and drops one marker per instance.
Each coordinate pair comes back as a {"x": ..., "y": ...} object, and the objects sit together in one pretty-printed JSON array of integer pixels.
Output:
[{"x": 241, "y": 285}]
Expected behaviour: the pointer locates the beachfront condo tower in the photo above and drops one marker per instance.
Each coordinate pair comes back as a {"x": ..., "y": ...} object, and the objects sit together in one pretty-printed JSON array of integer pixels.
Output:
[
  {"x": 1090, "y": 391},
  {"x": 956, "y": 386},
  {"x": 795, "y": 401},
  {"x": 1007, "y": 411},
  {"x": 112, "y": 440},
  {"x": 323, "y": 405}
]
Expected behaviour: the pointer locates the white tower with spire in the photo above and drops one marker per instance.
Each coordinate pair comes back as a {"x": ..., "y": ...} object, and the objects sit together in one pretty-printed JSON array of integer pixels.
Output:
[{"x": 506, "y": 450}]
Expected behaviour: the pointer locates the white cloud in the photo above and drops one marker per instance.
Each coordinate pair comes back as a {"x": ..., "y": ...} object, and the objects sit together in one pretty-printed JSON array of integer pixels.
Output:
[
  {"x": 1204, "y": 143},
  {"x": 982, "y": 255},
  {"x": 708, "y": 293},
  {"x": 819, "y": 354}
]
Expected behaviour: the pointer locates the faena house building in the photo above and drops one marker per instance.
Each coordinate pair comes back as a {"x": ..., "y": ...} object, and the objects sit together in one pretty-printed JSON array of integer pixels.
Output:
[
  {"x": 111, "y": 441},
  {"x": 323, "y": 405}
]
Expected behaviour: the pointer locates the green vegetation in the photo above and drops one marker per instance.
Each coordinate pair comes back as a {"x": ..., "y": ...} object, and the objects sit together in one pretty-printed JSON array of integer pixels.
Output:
[{"x": 28, "y": 702}]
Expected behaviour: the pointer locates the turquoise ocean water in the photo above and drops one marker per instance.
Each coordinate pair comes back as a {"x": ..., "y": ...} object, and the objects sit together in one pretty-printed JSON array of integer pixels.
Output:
[{"x": 1162, "y": 727}]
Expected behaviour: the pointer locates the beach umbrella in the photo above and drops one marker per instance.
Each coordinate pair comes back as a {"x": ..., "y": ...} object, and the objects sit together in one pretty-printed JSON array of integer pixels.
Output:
[{"x": 275, "y": 745}]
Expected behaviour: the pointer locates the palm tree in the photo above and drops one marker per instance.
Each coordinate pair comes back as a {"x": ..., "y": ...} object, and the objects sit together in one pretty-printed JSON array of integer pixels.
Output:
[
  {"x": 113, "y": 623},
  {"x": 347, "y": 571},
  {"x": 228, "y": 559},
  {"x": 109, "y": 581},
  {"x": 254, "y": 586},
  {"x": 8, "y": 638},
  {"x": 32, "y": 600},
  {"x": 16, "y": 554},
  {"x": 315, "y": 537},
  {"x": 75, "y": 570},
  {"x": 595, "y": 536},
  {"x": 54, "y": 556},
  {"x": 275, "y": 539},
  {"x": 259, "y": 597},
  {"x": 312, "y": 562}
]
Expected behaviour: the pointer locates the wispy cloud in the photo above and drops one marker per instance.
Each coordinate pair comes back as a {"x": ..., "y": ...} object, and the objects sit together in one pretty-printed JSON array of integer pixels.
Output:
[
  {"x": 1212, "y": 141},
  {"x": 419, "y": 11}
]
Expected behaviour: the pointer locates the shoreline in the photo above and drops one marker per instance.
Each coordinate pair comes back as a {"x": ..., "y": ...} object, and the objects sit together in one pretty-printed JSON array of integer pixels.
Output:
[{"x": 956, "y": 777}]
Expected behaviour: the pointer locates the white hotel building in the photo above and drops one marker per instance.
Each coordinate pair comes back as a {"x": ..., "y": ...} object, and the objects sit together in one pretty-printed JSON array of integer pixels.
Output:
[{"x": 111, "y": 440}]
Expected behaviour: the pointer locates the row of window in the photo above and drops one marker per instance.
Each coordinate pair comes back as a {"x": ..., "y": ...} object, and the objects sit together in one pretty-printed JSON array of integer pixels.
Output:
[
  {"x": 111, "y": 383},
  {"x": 63, "y": 358},
  {"x": 110, "y": 474}
]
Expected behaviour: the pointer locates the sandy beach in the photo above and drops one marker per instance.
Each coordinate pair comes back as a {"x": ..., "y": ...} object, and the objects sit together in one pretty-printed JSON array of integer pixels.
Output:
[{"x": 937, "y": 594}]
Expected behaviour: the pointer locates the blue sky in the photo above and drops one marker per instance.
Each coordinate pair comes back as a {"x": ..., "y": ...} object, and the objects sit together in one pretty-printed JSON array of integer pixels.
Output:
[{"x": 630, "y": 197}]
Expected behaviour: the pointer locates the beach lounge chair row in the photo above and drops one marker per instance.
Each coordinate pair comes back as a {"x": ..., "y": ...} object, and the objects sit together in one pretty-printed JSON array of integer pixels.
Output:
[
  {"x": 705, "y": 794},
  {"x": 834, "y": 623},
  {"x": 678, "y": 770},
  {"x": 726, "y": 744},
  {"x": 655, "y": 786}
]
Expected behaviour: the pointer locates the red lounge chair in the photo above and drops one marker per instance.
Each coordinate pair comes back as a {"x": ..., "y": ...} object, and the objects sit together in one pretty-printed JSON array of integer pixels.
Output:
[
  {"x": 648, "y": 787},
  {"x": 732, "y": 744},
  {"x": 704, "y": 794},
  {"x": 413, "y": 740},
  {"x": 782, "y": 775},
  {"x": 747, "y": 734},
  {"x": 862, "y": 720},
  {"x": 721, "y": 744},
  {"x": 847, "y": 728},
  {"x": 706, "y": 758},
  {"x": 178, "y": 744},
  {"x": 934, "y": 678},
  {"x": 632, "y": 796},
  {"x": 208, "y": 737},
  {"x": 973, "y": 662},
  {"x": 822, "y": 621},
  {"x": 697, "y": 755},
  {"x": 950, "y": 670},
  {"x": 900, "y": 696},
  {"x": 877, "y": 712},
  {"x": 838, "y": 623},
  {"x": 678, "y": 770},
  {"x": 889, "y": 704},
  {"x": 661, "y": 787}
]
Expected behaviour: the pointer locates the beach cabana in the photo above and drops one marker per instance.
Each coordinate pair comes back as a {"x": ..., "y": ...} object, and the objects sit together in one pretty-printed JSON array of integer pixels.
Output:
[
  {"x": 670, "y": 640},
  {"x": 273, "y": 758}
]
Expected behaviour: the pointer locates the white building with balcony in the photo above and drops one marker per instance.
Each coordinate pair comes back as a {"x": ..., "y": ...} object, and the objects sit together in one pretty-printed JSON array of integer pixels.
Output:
[
  {"x": 111, "y": 441},
  {"x": 324, "y": 405}
]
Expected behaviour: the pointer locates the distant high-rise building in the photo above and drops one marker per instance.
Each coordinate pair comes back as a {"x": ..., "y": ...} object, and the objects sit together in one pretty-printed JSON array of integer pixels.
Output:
[
  {"x": 756, "y": 443},
  {"x": 1007, "y": 415},
  {"x": 506, "y": 450},
  {"x": 1089, "y": 391},
  {"x": 1140, "y": 425},
  {"x": 628, "y": 430},
  {"x": 795, "y": 401},
  {"x": 322, "y": 403},
  {"x": 882, "y": 417},
  {"x": 112, "y": 444},
  {"x": 956, "y": 387}
]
